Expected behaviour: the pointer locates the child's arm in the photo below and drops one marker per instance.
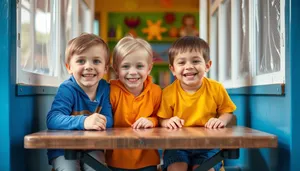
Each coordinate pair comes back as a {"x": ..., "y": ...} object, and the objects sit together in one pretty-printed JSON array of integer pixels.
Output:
[
  {"x": 226, "y": 118},
  {"x": 156, "y": 101},
  {"x": 104, "y": 119},
  {"x": 166, "y": 111},
  {"x": 225, "y": 109},
  {"x": 151, "y": 121},
  {"x": 59, "y": 117}
]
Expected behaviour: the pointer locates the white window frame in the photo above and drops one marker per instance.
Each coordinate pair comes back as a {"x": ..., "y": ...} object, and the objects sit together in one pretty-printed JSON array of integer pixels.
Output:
[
  {"x": 275, "y": 77},
  {"x": 253, "y": 78},
  {"x": 39, "y": 79}
]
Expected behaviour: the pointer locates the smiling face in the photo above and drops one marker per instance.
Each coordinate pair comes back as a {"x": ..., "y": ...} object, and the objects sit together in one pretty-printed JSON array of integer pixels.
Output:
[
  {"x": 189, "y": 68},
  {"x": 134, "y": 69},
  {"x": 88, "y": 67}
]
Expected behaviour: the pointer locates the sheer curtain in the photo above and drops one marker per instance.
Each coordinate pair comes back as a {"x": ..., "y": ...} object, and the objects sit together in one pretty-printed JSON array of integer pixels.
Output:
[
  {"x": 244, "y": 57},
  {"x": 267, "y": 26}
]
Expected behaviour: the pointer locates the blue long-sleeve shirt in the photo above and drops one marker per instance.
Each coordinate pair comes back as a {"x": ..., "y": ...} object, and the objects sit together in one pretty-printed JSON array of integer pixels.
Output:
[{"x": 71, "y": 106}]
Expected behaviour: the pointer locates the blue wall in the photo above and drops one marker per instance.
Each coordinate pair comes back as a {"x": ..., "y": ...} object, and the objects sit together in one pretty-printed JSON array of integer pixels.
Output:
[
  {"x": 294, "y": 81},
  {"x": 270, "y": 114},
  {"x": 21, "y": 115},
  {"x": 278, "y": 115},
  {"x": 6, "y": 49}
]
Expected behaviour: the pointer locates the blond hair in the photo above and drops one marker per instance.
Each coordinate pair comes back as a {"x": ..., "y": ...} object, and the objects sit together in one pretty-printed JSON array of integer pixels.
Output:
[
  {"x": 189, "y": 43},
  {"x": 126, "y": 46},
  {"x": 81, "y": 43}
]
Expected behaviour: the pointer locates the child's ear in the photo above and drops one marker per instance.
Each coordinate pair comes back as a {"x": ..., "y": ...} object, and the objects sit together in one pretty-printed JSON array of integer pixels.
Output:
[
  {"x": 68, "y": 68},
  {"x": 115, "y": 70},
  {"x": 150, "y": 68},
  {"x": 172, "y": 69},
  {"x": 106, "y": 69},
  {"x": 208, "y": 65}
]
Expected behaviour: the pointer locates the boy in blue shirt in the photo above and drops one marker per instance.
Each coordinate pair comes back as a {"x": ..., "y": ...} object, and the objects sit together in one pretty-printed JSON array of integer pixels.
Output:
[{"x": 82, "y": 101}]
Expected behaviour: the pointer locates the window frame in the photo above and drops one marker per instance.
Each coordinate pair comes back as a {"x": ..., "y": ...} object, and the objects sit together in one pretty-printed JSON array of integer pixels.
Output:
[
  {"x": 252, "y": 79},
  {"x": 26, "y": 77},
  {"x": 39, "y": 79}
]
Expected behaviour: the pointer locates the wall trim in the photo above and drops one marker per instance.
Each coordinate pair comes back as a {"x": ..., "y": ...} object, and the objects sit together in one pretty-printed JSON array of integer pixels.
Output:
[
  {"x": 27, "y": 90},
  {"x": 273, "y": 89}
]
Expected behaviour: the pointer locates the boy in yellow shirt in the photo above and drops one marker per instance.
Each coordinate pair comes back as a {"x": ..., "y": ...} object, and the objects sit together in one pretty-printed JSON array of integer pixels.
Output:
[
  {"x": 135, "y": 101},
  {"x": 192, "y": 100}
]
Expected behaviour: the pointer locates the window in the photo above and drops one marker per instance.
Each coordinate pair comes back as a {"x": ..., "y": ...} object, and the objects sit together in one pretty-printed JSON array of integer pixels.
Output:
[
  {"x": 44, "y": 27},
  {"x": 247, "y": 42},
  {"x": 213, "y": 73},
  {"x": 224, "y": 35}
]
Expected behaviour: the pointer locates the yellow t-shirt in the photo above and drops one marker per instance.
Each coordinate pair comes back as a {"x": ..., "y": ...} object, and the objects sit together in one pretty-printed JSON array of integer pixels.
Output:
[
  {"x": 126, "y": 110},
  {"x": 211, "y": 100}
]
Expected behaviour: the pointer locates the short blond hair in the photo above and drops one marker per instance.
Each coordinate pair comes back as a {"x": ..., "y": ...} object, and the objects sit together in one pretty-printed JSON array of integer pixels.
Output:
[
  {"x": 126, "y": 46},
  {"x": 81, "y": 43}
]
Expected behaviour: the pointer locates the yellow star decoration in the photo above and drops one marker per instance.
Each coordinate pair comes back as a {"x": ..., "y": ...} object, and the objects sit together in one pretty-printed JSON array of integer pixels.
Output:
[{"x": 154, "y": 30}]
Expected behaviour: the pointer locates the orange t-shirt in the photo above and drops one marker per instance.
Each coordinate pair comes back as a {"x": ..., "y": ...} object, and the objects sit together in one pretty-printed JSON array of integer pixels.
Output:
[{"x": 126, "y": 110}]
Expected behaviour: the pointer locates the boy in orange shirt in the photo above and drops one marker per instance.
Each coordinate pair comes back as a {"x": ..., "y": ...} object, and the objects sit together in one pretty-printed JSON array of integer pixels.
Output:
[
  {"x": 192, "y": 100},
  {"x": 135, "y": 100}
]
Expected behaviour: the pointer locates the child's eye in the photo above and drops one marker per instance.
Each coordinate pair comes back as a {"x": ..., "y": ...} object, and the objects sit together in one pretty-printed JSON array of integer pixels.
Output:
[
  {"x": 196, "y": 61},
  {"x": 180, "y": 62},
  {"x": 140, "y": 66},
  {"x": 125, "y": 66},
  {"x": 97, "y": 61},
  {"x": 80, "y": 61}
]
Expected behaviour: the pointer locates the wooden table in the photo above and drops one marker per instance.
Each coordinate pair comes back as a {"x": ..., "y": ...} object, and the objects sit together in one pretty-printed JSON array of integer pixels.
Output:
[{"x": 227, "y": 139}]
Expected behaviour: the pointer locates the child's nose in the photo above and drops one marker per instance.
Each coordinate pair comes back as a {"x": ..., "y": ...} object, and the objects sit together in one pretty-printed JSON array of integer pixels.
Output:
[
  {"x": 132, "y": 71},
  {"x": 188, "y": 66},
  {"x": 88, "y": 66}
]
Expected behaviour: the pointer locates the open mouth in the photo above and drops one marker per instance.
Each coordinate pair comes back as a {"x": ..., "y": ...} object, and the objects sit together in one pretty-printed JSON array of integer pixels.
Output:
[
  {"x": 190, "y": 74},
  {"x": 89, "y": 75},
  {"x": 132, "y": 79}
]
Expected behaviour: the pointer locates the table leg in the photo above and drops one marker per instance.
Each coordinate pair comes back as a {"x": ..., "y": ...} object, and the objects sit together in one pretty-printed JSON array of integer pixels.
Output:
[
  {"x": 85, "y": 158},
  {"x": 221, "y": 155}
]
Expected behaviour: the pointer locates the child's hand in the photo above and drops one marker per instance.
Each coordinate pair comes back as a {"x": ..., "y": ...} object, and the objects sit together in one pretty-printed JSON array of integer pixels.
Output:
[
  {"x": 214, "y": 123},
  {"x": 142, "y": 123},
  {"x": 95, "y": 121},
  {"x": 174, "y": 123}
]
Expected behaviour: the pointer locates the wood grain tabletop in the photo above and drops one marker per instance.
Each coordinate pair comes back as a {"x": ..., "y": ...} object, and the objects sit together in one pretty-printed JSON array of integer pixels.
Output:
[{"x": 155, "y": 138}]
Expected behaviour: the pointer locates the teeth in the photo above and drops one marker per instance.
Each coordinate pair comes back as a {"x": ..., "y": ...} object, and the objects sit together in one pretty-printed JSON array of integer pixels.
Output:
[
  {"x": 189, "y": 74},
  {"x": 88, "y": 75},
  {"x": 132, "y": 79}
]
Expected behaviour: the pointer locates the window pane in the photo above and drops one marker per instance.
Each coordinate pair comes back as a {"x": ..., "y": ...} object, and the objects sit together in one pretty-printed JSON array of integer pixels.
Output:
[
  {"x": 84, "y": 18},
  {"x": 66, "y": 32},
  {"x": 224, "y": 41},
  {"x": 213, "y": 73},
  {"x": 244, "y": 57},
  {"x": 228, "y": 40},
  {"x": 42, "y": 45},
  {"x": 267, "y": 25},
  {"x": 25, "y": 57},
  {"x": 80, "y": 17}
]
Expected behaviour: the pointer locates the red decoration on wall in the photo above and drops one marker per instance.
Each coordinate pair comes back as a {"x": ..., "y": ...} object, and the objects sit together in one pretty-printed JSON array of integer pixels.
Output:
[
  {"x": 132, "y": 23},
  {"x": 169, "y": 17}
]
